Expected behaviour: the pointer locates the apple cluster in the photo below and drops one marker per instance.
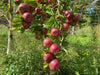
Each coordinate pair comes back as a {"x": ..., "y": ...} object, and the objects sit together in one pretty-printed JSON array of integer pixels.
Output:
[
  {"x": 72, "y": 19},
  {"x": 39, "y": 14},
  {"x": 48, "y": 56}
]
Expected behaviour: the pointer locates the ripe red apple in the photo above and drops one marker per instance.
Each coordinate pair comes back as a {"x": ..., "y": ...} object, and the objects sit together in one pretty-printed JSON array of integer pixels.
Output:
[
  {"x": 31, "y": 9},
  {"x": 68, "y": 14},
  {"x": 38, "y": 37},
  {"x": 26, "y": 25},
  {"x": 51, "y": 1},
  {"x": 65, "y": 26},
  {"x": 11, "y": 9},
  {"x": 17, "y": 12},
  {"x": 47, "y": 68},
  {"x": 54, "y": 64},
  {"x": 23, "y": 8},
  {"x": 47, "y": 42},
  {"x": 17, "y": 1},
  {"x": 55, "y": 6},
  {"x": 43, "y": 14},
  {"x": 44, "y": 31},
  {"x": 76, "y": 17},
  {"x": 70, "y": 21},
  {"x": 44, "y": 4},
  {"x": 55, "y": 32},
  {"x": 28, "y": 17},
  {"x": 54, "y": 48},
  {"x": 47, "y": 56},
  {"x": 63, "y": 11},
  {"x": 38, "y": 10}
]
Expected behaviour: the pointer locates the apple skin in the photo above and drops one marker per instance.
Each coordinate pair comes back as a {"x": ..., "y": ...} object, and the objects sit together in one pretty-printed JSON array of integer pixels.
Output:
[
  {"x": 68, "y": 14},
  {"x": 38, "y": 10},
  {"x": 44, "y": 4},
  {"x": 55, "y": 6},
  {"x": 26, "y": 25},
  {"x": 17, "y": 12},
  {"x": 76, "y": 17},
  {"x": 55, "y": 32},
  {"x": 54, "y": 65},
  {"x": 47, "y": 68},
  {"x": 44, "y": 31},
  {"x": 70, "y": 21},
  {"x": 31, "y": 8},
  {"x": 54, "y": 49},
  {"x": 38, "y": 37},
  {"x": 65, "y": 26},
  {"x": 43, "y": 14},
  {"x": 47, "y": 42},
  {"x": 47, "y": 56},
  {"x": 63, "y": 11},
  {"x": 23, "y": 8},
  {"x": 28, "y": 17},
  {"x": 11, "y": 9},
  {"x": 18, "y": 2}
]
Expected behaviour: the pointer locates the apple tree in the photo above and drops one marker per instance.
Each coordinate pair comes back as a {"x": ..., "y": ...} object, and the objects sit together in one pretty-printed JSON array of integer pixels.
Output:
[{"x": 51, "y": 22}]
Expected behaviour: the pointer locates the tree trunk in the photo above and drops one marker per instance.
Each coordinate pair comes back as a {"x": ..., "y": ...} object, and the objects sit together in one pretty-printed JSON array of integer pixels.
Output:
[
  {"x": 10, "y": 33},
  {"x": 73, "y": 30}
]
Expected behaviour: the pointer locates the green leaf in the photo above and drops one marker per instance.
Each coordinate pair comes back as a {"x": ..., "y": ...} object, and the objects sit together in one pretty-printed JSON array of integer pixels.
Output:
[
  {"x": 45, "y": 64},
  {"x": 50, "y": 12}
]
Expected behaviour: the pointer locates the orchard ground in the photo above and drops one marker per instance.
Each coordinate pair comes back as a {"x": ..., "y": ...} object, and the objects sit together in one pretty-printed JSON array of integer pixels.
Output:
[{"x": 83, "y": 53}]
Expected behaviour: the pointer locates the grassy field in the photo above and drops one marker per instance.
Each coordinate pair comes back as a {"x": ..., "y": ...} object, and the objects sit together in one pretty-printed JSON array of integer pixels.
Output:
[{"x": 26, "y": 59}]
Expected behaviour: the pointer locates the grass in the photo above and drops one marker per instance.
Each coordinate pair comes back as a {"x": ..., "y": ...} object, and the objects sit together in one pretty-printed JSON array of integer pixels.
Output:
[{"x": 26, "y": 57}]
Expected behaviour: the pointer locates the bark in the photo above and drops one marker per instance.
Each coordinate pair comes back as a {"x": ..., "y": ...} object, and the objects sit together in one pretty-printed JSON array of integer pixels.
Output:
[
  {"x": 10, "y": 45},
  {"x": 73, "y": 30}
]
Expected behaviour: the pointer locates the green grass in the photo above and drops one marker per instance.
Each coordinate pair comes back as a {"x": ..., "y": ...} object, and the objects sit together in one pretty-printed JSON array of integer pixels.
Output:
[{"x": 26, "y": 58}]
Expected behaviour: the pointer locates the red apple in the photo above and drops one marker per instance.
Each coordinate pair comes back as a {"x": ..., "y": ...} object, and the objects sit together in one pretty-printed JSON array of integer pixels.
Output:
[
  {"x": 23, "y": 8},
  {"x": 28, "y": 17},
  {"x": 43, "y": 14},
  {"x": 54, "y": 64},
  {"x": 31, "y": 9},
  {"x": 44, "y": 4},
  {"x": 26, "y": 25},
  {"x": 65, "y": 26},
  {"x": 44, "y": 31},
  {"x": 38, "y": 37},
  {"x": 68, "y": 14},
  {"x": 70, "y": 21},
  {"x": 55, "y": 6},
  {"x": 63, "y": 11},
  {"x": 47, "y": 56},
  {"x": 17, "y": 12},
  {"x": 54, "y": 48},
  {"x": 38, "y": 10},
  {"x": 17, "y": 1},
  {"x": 47, "y": 68},
  {"x": 47, "y": 42},
  {"x": 55, "y": 32},
  {"x": 76, "y": 17},
  {"x": 11, "y": 9}
]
